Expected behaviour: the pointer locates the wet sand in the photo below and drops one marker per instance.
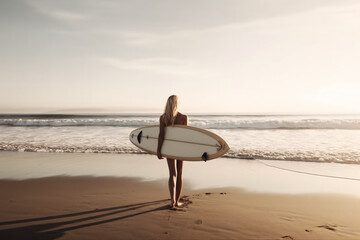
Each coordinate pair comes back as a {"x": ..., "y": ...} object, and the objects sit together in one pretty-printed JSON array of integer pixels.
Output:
[
  {"x": 125, "y": 208},
  {"x": 82, "y": 205}
]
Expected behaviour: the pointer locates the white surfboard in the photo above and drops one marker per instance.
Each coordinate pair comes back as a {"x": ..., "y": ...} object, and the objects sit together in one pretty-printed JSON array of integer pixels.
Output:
[{"x": 181, "y": 142}]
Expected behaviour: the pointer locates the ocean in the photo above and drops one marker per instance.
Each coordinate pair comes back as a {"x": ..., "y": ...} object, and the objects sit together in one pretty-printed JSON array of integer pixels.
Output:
[{"x": 311, "y": 138}]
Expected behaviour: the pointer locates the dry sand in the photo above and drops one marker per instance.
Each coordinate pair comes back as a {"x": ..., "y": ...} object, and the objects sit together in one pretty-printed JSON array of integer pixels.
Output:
[{"x": 126, "y": 208}]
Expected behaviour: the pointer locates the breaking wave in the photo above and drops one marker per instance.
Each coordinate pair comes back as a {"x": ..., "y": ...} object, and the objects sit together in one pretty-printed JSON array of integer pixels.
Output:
[{"x": 206, "y": 121}]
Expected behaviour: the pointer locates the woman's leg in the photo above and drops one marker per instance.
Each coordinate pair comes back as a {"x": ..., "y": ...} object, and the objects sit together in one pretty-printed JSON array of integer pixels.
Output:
[
  {"x": 179, "y": 181},
  {"x": 172, "y": 180}
]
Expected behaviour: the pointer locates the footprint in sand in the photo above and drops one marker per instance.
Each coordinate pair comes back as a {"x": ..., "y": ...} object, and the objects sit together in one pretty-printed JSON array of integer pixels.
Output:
[
  {"x": 328, "y": 227},
  {"x": 185, "y": 201},
  {"x": 287, "y": 237},
  {"x": 199, "y": 221}
]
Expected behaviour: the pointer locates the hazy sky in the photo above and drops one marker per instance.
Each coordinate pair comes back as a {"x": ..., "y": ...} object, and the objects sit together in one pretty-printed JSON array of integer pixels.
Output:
[{"x": 216, "y": 55}]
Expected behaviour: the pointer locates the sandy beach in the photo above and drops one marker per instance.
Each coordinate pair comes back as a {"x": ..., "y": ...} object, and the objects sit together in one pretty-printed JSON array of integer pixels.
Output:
[
  {"x": 123, "y": 208},
  {"x": 108, "y": 207}
]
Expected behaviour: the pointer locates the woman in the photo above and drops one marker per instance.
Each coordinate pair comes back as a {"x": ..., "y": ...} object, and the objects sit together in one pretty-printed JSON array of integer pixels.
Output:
[{"x": 170, "y": 117}]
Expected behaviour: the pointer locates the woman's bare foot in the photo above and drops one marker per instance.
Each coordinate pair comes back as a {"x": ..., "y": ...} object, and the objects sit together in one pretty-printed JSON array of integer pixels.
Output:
[
  {"x": 172, "y": 204},
  {"x": 179, "y": 204}
]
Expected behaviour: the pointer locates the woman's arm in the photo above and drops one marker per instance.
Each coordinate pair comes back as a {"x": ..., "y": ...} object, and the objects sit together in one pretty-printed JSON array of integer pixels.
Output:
[
  {"x": 161, "y": 138},
  {"x": 186, "y": 120}
]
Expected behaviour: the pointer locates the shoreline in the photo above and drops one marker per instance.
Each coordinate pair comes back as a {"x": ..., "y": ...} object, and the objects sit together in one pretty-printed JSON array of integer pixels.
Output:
[
  {"x": 29, "y": 148},
  {"x": 130, "y": 150},
  {"x": 128, "y": 208}
]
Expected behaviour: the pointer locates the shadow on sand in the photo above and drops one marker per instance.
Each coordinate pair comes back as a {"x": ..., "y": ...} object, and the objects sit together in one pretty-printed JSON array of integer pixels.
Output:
[{"x": 43, "y": 231}]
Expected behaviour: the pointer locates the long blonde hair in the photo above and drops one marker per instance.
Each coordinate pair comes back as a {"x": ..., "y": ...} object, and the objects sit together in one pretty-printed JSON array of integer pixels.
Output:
[{"x": 170, "y": 111}]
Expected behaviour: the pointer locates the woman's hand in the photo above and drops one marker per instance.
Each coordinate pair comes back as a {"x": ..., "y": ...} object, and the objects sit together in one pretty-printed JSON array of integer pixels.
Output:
[{"x": 159, "y": 155}]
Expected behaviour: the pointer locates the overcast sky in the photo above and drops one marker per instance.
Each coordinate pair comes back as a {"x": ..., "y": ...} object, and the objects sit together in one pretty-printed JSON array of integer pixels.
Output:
[{"x": 244, "y": 56}]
